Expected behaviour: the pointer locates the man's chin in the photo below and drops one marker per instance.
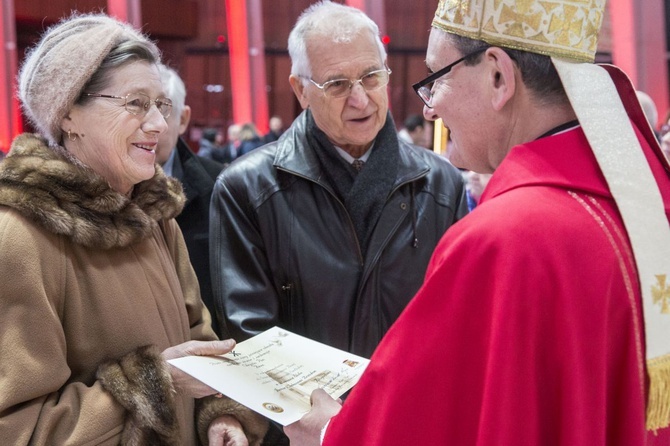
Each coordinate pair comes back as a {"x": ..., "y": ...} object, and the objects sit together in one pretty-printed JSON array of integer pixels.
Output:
[{"x": 452, "y": 155}]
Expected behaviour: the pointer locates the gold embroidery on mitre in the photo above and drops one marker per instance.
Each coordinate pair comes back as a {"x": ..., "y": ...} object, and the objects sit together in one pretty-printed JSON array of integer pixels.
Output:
[
  {"x": 560, "y": 28},
  {"x": 661, "y": 294}
]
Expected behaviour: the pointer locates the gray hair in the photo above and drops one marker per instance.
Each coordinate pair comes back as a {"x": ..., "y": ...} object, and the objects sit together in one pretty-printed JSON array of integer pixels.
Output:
[
  {"x": 537, "y": 71},
  {"x": 328, "y": 20},
  {"x": 174, "y": 87},
  {"x": 648, "y": 107},
  {"x": 122, "y": 54}
]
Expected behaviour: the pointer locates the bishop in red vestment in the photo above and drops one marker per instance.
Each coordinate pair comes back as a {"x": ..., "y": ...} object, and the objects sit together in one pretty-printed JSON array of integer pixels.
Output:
[
  {"x": 528, "y": 329},
  {"x": 539, "y": 322}
]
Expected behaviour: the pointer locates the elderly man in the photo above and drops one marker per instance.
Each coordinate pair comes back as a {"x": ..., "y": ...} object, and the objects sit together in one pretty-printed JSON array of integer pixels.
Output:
[
  {"x": 197, "y": 175},
  {"x": 553, "y": 327},
  {"x": 328, "y": 231}
]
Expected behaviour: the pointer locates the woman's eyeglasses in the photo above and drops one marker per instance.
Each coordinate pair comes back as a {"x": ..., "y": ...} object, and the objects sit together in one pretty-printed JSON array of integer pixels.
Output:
[{"x": 139, "y": 103}]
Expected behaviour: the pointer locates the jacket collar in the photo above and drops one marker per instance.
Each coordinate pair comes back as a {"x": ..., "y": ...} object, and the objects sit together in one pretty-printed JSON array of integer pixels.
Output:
[
  {"x": 293, "y": 156},
  {"x": 193, "y": 175}
]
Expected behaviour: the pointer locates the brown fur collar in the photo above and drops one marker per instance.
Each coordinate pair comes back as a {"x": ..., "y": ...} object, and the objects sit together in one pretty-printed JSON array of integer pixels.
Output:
[{"x": 51, "y": 187}]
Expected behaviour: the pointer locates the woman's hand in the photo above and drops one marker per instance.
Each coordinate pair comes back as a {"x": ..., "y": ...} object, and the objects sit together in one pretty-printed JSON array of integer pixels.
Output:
[
  {"x": 182, "y": 381},
  {"x": 226, "y": 431}
]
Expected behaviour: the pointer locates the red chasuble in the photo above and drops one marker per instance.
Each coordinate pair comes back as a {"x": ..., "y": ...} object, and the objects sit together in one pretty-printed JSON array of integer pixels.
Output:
[{"x": 528, "y": 329}]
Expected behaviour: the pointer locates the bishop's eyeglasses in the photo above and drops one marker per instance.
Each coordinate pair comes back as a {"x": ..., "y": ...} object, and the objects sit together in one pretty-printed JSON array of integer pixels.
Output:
[
  {"x": 139, "y": 103},
  {"x": 424, "y": 88},
  {"x": 338, "y": 88}
]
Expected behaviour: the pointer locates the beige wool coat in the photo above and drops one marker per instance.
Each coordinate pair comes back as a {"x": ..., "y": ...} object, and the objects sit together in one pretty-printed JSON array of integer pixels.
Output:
[{"x": 92, "y": 289}]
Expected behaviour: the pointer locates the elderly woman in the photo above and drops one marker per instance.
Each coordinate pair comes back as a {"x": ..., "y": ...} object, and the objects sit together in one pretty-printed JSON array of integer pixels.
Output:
[{"x": 98, "y": 291}]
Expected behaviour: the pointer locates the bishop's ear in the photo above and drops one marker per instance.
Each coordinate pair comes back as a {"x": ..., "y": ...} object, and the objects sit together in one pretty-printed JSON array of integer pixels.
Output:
[{"x": 502, "y": 76}]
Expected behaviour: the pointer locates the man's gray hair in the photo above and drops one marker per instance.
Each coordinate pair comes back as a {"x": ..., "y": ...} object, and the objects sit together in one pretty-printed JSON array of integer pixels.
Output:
[
  {"x": 328, "y": 20},
  {"x": 174, "y": 87}
]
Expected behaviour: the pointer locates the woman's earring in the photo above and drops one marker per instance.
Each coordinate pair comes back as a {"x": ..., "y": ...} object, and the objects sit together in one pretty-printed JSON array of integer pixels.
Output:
[{"x": 71, "y": 136}]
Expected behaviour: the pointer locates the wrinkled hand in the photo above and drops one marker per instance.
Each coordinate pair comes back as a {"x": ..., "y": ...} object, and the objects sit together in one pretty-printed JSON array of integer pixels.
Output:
[
  {"x": 182, "y": 381},
  {"x": 226, "y": 431},
  {"x": 307, "y": 431}
]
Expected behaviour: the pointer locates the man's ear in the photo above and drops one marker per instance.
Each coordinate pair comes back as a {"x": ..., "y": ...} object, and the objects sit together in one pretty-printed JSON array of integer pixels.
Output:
[
  {"x": 299, "y": 90},
  {"x": 502, "y": 77},
  {"x": 184, "y": 119}
]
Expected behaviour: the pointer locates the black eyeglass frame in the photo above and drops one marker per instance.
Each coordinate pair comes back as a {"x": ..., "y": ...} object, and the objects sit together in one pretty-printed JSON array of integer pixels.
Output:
[
  {"x": 419, "y": 86},
  {"x": 165, "y": 101}
]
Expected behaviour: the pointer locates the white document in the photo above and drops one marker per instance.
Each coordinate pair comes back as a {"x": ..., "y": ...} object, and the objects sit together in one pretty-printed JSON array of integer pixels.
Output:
[{"x": 275, "y": 372}]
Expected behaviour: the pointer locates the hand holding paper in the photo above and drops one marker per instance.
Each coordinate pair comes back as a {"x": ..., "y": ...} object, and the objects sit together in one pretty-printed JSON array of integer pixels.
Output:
[
  {"x": 308, "y": 430},
  {"x": 275, "y": 372}
]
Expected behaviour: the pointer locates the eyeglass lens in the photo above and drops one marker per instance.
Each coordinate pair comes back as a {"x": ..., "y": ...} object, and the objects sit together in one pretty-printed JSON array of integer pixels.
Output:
[
  {"x": 371, "y": 81},
  {"x": 139, "y": 103},
  {"x": 426, "y": 93}
]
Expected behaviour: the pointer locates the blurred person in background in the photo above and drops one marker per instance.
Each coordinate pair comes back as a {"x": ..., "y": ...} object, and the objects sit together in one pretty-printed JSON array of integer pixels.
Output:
[
  {"x": 650, "y": 111},
  {"x": 207, "y": 147},
  {"x": 664, "y": 136},
  {"x": 250, "y": 139},
  {"x": 416, "y": 130},
  {"x": 230, "y": 149},
  {"x": 665, "y": 143},
  {"x": 197, "y": 176},
  {"x": 476, "y": 183},
  {"x": 276, "y": 129}
]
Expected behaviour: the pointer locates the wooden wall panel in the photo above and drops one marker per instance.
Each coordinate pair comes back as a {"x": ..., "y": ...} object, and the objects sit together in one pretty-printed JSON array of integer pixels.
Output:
[
  {"x": 38, "y": 12},
  {"x": 281, "y": 100},
  {"x": 174, "y": 19},
  {"x": 207, "y": 79}
]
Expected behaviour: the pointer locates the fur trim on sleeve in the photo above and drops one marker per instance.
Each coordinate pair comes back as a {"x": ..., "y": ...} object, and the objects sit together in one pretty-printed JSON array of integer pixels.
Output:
[
  {"x": 207, "y": 409},
  {"x": 141, "y": 383}
]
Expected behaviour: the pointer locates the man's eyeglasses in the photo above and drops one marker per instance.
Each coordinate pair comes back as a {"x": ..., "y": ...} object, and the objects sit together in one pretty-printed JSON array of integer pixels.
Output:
[
  {"x": 338, "y": 88},
  {"x": 424, "y": 88},
  {"x": 139, "y": 103}
]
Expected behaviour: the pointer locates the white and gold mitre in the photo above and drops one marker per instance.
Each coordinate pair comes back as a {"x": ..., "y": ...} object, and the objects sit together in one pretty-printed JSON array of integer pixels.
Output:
[{"x": 559, "y": 28}]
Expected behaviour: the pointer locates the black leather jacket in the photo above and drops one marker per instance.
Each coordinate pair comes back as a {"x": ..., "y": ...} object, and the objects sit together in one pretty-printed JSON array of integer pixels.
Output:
[{"x": 284, "y": 251}]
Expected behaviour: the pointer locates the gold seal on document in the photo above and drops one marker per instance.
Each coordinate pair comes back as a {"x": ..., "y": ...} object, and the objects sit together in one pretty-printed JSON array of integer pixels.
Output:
[{"x": 272, "y": 407}]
